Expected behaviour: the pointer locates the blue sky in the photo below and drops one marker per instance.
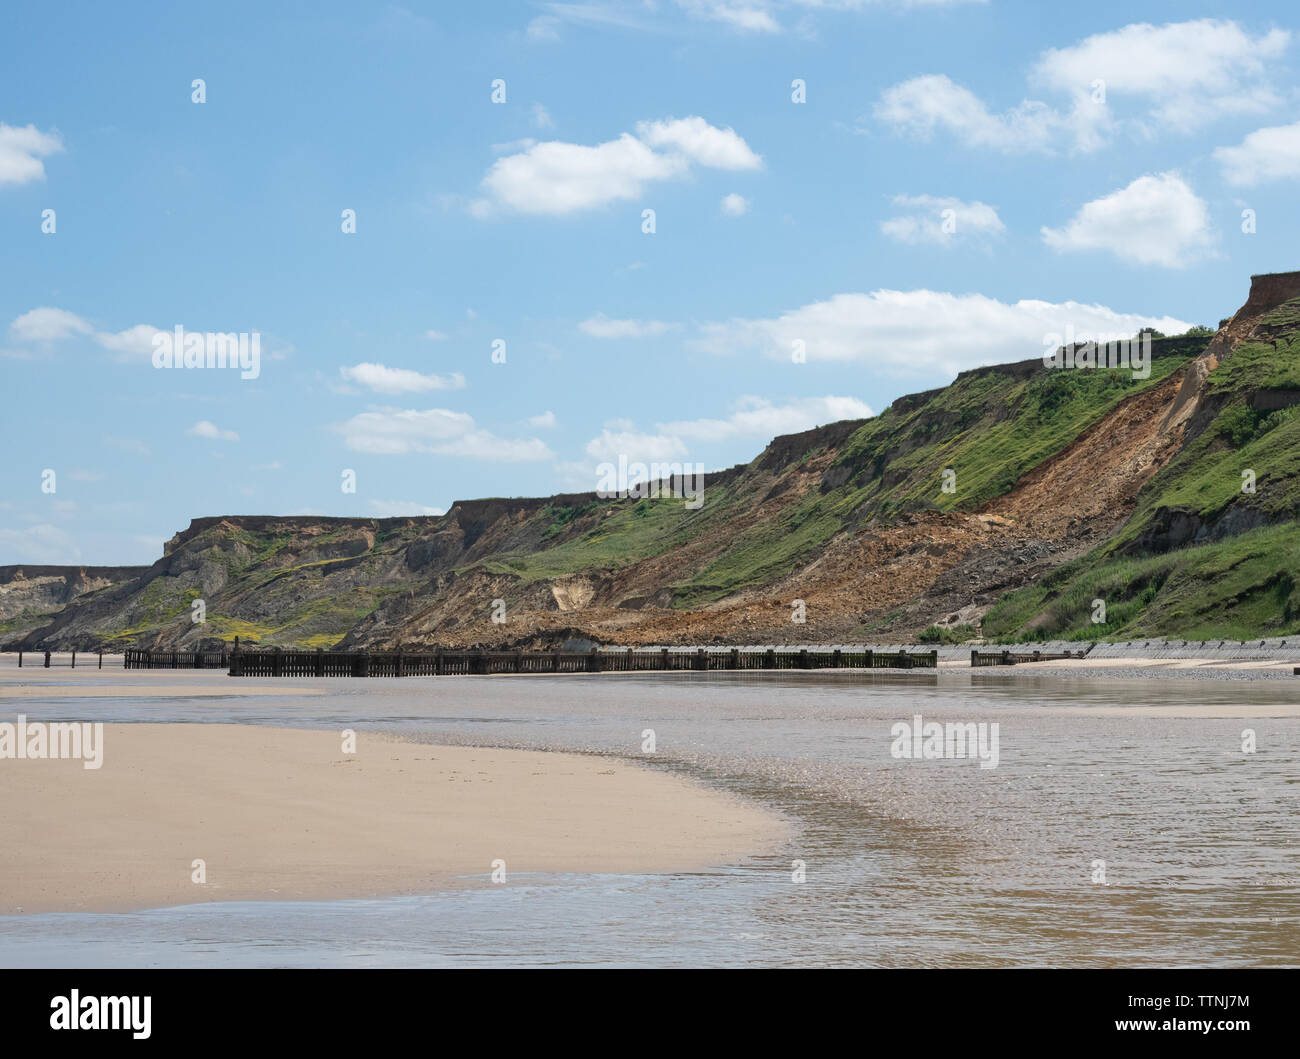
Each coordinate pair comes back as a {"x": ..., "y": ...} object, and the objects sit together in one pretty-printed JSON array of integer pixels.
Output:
[{"x": 962, "y": 180}]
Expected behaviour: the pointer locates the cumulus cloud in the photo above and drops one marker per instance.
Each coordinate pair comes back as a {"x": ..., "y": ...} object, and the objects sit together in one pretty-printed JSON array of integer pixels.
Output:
[
  {"x": 383, "y": 379},
  {"x": 206, "y": 429},
  {"x": 1156, "y": 220},
  {"x": 701, "y": 142},
  {"x": 1178, "y": 76},
  {"x": 560, "y": 178},
  {"x": 601, "y": 326},
  {"x": 751, "y": 417},
  {"x": 438, "y": 431},
  {"x": 1185, "y": 73},
  {"x": 21, "y": 151},
  {"x": 921, "y": 105},
  {"x": 1266, "y": 154},
  {"x": 47, "y": 325},
  {"x": 919, "y": 332},
  {"x": 941, "y": 220},
  {"x": 545, "y": 421},
  {"x": 403, "y": 509},
  {"x": 734, "y": 205}
]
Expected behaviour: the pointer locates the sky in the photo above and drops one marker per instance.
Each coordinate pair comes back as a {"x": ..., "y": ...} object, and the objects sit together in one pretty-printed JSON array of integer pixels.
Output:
[{"x": 484, "y": 248}]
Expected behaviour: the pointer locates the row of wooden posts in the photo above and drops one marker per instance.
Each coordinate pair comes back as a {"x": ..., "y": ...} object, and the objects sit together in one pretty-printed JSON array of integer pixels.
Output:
[
  {"x": 277, "y": 662},
  {"x": 74, "y": 659},
  {"x": 1011, "y": 658}
]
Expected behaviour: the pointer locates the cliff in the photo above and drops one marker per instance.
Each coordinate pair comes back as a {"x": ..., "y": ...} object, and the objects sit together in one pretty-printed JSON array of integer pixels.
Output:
[{"x": 1010, "y": 499}]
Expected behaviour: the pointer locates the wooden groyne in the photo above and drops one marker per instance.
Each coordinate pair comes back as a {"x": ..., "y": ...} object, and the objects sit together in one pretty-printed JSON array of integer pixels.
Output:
[
  {"x": 278, "y": 662},
  {"x": 443, "y": 662},
  {"x": 1011, "y": 658},
  {"x": 134, "y": 658}
]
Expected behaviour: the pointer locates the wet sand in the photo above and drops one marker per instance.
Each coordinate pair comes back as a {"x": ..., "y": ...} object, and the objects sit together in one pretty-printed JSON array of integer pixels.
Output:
[{"x": 285, "y": 814}]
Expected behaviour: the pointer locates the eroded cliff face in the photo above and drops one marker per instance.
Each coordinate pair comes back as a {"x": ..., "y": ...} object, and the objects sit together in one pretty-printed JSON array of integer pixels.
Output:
[
  {"x": 30, "y": 595},
  {"x": 854, "y": 519}
]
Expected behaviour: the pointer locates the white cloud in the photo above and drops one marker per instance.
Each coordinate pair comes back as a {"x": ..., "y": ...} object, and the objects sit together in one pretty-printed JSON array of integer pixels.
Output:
[
  {"x": 740, "y": 16},
  {"x": 205, "y": 429},
  {"x": 1156, "y": 220},
  {"x": 700, "y": 142},
  {"x": 42, "y": 543},
  {"x": 542, "y": 117},
  {"x": 562, "y": 178},
  {"x": 734, "y": 205},
  {"x": 756, "y": 417},
  {"x": 920, "y": 332},
  {"x": 1266, "y": 154},
  {"x": 753, "y": 417},
  {"x": 1178, "y": 76},
  {"x": 47, "y": 324},
  {"x": 383, "y": 379},
  {"x": 1187, "y": 73},
  {"x": 749, "y": 17},
  {"x": 135, "y": 343},
  {"x": 601, "y": 326},
  {"x": 21, "y": 151},
  {"x": 636, "y": 446},
  {"x": 545, "y": 421},
  {"x": 928, "y": 220},
  {"x": 440, "y": 431},
  {"x": 934, "y": 101},
  {"x": 403, "y": 509}
]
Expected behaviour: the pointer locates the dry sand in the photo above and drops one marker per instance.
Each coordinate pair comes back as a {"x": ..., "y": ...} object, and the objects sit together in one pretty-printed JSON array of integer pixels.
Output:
[{"x": 284, "y": 814}]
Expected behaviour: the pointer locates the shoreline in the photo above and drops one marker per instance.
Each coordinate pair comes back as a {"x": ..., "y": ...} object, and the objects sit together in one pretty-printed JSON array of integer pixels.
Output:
[{"x": 285, "y": 814}]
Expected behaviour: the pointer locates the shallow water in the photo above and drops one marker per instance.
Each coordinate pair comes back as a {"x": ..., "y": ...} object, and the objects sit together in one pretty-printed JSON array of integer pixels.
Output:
[{"x": 908, "y": 863}]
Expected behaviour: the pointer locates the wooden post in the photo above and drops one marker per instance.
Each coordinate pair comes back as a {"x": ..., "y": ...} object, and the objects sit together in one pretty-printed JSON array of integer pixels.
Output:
[
  {"x": 364, "y": 664},
  {"x": 20, "y": 660},
  {"x": 320, "y": 662},
  {"x": 974, "y": 659},
  {"x": 236, "y": 661},
  {"x": 934, "y": 659},
  {"x": 74, "y": 658},
  {"x": 398, "y": 666},
  {"x": 277, "y": 663},
  {"x": 47, "y": 659},
  {"x": 101, "y": 658},
  {"x": 519, "y": 661}
]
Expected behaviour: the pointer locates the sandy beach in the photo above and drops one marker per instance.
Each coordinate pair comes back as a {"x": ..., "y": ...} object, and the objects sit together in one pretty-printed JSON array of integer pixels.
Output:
[{"x": 285, "y": 814}]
